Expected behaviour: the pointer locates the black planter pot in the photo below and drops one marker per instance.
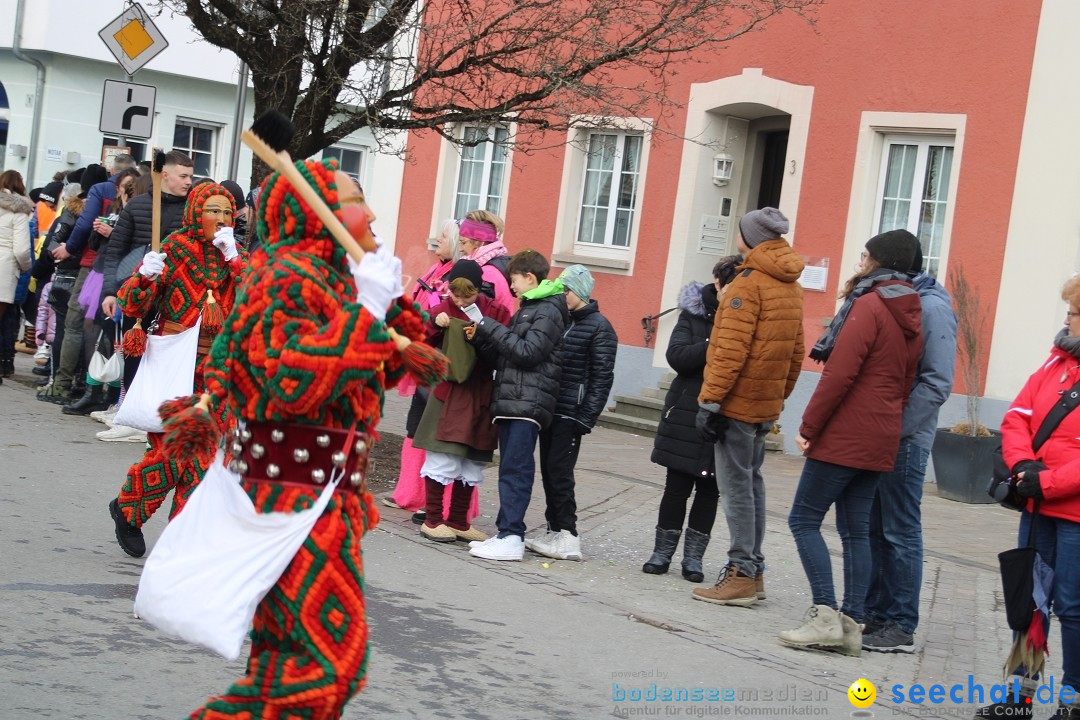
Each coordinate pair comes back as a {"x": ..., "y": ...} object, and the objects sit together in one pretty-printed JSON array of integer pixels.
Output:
[{"x": 963, "y": 465}]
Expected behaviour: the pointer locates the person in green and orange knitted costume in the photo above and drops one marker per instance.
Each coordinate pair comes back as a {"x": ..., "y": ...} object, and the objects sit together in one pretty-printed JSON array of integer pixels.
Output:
[
  {"x": 302, "y": 364},
  {"x": 198, "y": 266}
]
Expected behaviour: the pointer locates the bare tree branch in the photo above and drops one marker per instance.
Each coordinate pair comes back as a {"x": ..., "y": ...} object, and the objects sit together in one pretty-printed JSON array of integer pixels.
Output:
[{"x": 337, "y": 66}]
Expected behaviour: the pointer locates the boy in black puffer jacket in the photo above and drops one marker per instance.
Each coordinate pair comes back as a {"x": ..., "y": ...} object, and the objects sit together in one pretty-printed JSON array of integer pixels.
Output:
[
  {"x": 528, "y": 362},
  {"x": 588, "y": 371}
]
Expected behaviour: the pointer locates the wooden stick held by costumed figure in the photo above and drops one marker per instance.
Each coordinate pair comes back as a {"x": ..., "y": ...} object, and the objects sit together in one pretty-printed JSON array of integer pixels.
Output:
[
  {"x": 135, "y": 339},
  {"x": 268, "y": 137}
]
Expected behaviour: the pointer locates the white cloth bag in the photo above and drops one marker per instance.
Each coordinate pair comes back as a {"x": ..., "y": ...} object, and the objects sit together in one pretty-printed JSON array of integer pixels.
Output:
[
  {"x": 108, "y": 370},
  {"x": 166, "y": 371},
  {"x": 216, "y": 561}
]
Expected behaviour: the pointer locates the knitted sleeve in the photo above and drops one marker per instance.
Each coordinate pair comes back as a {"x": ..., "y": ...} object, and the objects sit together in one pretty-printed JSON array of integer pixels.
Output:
[
  {"x": 408, "y": 320},
  {"x": 138, "y": 294}
]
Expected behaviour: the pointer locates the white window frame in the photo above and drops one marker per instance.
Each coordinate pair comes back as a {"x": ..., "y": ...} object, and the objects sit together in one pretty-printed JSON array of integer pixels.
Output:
[
  {"x": 215, "y": 142},
  {"x": 874, "y": 127},
  {"x": 364, "y": 152},
  {"x": 932, "y": 256},
  {"x": 615, "y": 191},
  {"x": 568, "y": 250},
  {"x": 488, "y": 162}
]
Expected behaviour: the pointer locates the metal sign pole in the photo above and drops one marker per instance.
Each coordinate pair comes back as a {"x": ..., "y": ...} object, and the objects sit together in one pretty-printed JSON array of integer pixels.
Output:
[
  {"x": 238, "y": 120},
  {"x": 121, "y": 140}
]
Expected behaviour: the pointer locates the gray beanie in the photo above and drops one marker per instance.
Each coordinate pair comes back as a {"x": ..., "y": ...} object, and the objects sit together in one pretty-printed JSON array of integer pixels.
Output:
[{"x": 757, "y": 226}]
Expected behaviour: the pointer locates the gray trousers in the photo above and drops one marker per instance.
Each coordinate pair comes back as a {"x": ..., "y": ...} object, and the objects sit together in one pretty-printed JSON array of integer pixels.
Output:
[
  {"x": 71, "y": 351},
  {"x": 742, "y": 490}
]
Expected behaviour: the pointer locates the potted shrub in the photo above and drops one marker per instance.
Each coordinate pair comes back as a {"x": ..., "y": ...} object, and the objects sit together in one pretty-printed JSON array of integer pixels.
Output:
[{"x": 963, "y": 454}]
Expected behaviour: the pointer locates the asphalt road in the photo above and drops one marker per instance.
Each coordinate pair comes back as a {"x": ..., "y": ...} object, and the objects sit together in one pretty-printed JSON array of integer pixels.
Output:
[{"x": 452, "y": 636}]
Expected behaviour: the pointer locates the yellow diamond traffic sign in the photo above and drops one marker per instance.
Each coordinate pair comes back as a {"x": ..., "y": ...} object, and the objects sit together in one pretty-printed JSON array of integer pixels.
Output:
[{"x": 133, "y": 38}]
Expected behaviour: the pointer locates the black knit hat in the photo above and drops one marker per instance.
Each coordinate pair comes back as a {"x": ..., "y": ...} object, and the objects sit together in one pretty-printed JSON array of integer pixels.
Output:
[
  {"x": 468, "y": 269},
  {"x": 893, "y": 250},
  {"x": 51, "y": 192},
  {"x": 92, "y": 175}
]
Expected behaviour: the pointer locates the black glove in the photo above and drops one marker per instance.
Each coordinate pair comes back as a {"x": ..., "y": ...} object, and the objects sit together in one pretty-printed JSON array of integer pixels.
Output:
[
  {"x": 1029, "y": 486},
  {"x": 1025, "y": 465},
  {"x": 710, "y": 424}
]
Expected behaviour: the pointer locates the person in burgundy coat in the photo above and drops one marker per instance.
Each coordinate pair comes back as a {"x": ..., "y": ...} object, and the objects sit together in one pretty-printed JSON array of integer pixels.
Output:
[{"x": 851, "y": 432}]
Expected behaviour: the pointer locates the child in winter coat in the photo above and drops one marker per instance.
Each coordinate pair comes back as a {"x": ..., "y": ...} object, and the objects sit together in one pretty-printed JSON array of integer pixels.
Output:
[
  {"x": 588, "y": 371},
  {"x": 528, "y": 356},
  {"x": 456, "y": 430}
]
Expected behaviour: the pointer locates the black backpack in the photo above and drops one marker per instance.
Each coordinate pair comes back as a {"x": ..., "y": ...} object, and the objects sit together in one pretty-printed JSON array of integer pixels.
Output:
[{"x": 502, "y": 262}]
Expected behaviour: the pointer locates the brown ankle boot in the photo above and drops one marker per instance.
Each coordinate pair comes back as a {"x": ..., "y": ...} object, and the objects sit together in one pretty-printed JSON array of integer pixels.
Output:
[
  {"x": 732, "y": 588},
  {"x": 433, "y": 527}
]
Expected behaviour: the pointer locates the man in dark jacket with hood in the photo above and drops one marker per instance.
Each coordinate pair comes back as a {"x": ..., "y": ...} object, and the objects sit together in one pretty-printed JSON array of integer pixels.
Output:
[
  {"x": 892, "y": 603},
  {"x": 133, "y": 227},
  {"x": 528, "y": 366},
  {"x": 588, "y": 371}
]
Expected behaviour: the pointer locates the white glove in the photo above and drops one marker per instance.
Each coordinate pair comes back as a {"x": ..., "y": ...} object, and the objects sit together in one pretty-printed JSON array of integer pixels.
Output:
[
  {"x": 399, "y": 290},
  {"x": 378, "y": 281},
  {"x": 473, "y": 312},
  {"x": 226, "y": 243},
  {"x": 153, "y": 264}
]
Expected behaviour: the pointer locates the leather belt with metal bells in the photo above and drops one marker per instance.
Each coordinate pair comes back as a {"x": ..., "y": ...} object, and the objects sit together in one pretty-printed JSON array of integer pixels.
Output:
[{"x": 292, "y": 454}]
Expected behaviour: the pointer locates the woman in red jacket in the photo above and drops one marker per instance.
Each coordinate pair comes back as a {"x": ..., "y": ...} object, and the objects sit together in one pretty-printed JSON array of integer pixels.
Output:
[
  {"x": 1053, "y": 476},
  {"x": 851, "y": 431}
]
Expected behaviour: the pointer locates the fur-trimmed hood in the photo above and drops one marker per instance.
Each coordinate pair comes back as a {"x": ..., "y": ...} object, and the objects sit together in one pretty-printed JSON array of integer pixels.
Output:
[
  {"x": 15, "y": 203},
  {"x": 698, "y": 299}
]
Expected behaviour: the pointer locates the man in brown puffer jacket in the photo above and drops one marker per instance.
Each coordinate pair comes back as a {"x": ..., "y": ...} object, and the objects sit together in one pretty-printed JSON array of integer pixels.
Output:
[{"x": 755, "y": 355}]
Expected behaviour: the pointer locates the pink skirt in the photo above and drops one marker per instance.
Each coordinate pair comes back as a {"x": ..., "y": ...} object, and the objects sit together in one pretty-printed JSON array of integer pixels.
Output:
[
  {"x": 410, "y": 492},
  {"x": 90, "y": 295}
]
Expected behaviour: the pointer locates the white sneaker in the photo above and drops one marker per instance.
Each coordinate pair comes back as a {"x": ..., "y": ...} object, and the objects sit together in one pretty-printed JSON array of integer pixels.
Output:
[
  {"x": 122, "y": 433},
  {"x": 105, "y": 416},
  {"x": 562, "y": 545},
  {"x": 542, "y": 536},
  {"x": 41, "y": 357},
  {"x": 510, "y": 547}
]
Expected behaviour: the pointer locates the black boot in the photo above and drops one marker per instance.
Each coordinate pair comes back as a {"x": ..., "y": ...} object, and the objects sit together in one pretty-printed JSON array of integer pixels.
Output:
[
  {"x": 663, "y": 549},
  {"x": 7, "y": 367},
  {"x": 130, "y": 538},
  {"x": 692, "y": 552},
  {"x": 88, "y": 403}
]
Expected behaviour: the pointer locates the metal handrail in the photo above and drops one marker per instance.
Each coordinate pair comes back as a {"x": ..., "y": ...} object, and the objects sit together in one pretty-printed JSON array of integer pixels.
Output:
[{"x": 649, "y": 323}]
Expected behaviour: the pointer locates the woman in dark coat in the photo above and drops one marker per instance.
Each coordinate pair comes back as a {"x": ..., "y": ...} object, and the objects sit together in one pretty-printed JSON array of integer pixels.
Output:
[{"x": 689, "y": 460}]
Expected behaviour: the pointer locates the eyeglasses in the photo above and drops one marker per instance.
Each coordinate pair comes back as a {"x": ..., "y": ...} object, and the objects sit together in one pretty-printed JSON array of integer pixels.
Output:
[{"x": 1070, "y": 315}]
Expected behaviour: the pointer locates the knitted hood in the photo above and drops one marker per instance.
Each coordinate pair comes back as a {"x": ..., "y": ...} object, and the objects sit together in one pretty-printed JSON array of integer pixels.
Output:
[{"x": 287, "y": 226}]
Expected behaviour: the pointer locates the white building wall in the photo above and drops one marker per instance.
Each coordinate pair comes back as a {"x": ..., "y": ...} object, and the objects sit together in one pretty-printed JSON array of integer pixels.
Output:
[
  {"x": 194, "y": 81},
  {"x": 1043, "y": 246}
]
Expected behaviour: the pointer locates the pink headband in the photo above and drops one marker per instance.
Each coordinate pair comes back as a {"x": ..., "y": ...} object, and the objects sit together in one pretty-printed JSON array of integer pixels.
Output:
[{"x": 481, "y": 232}]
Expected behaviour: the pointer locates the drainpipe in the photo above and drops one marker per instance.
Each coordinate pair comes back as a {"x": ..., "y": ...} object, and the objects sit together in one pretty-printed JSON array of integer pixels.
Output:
[{"x": 39, "y": 92}]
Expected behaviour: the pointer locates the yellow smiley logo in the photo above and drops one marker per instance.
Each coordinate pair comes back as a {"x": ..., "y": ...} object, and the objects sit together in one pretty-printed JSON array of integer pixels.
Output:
[{"x": 862, "y": 693}]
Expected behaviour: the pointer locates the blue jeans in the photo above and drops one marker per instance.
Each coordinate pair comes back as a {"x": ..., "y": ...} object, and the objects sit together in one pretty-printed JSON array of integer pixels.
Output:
[
  {"x": 896, "y": 544},
  {"x": 1058, "y": 543},
  {"x": 517, "y": 468},
  {"x": 852, "y": 490}
]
